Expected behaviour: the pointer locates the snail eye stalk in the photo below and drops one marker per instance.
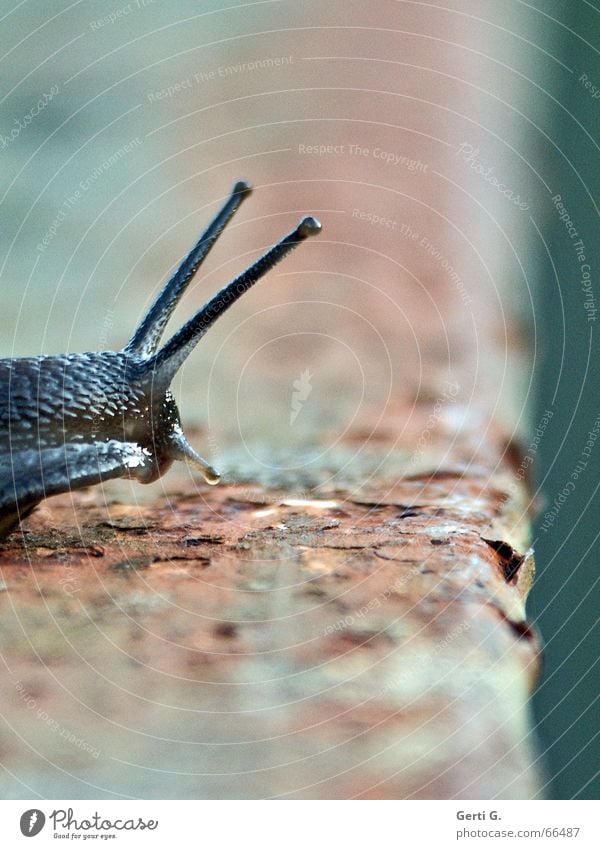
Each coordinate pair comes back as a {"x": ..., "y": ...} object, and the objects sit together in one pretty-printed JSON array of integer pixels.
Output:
[
  {"x": 164, "y": 364},
  {"x": 146, "y": 338}
]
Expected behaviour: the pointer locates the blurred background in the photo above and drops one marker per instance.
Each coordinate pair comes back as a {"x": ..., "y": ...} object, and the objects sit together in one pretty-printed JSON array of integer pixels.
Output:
[{"x": 451, "y": 152}]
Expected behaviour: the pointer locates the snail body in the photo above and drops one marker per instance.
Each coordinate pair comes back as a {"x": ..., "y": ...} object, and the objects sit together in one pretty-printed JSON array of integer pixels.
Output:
[{"x": 75, "y": 420}]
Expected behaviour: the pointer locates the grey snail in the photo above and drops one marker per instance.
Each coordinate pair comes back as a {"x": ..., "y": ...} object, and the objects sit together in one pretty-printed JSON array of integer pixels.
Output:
[{"x": 75, "y": 420}]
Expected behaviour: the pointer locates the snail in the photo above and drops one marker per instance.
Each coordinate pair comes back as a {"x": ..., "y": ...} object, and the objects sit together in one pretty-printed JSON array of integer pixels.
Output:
[{"x": 75, "y": 420}]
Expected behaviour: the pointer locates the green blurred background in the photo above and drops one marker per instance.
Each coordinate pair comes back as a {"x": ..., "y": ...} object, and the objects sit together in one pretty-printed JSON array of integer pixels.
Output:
[{"x": 564, "y": 602}]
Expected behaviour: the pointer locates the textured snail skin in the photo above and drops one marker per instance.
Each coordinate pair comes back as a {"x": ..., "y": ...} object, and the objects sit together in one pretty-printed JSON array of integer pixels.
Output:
[{"x": 74, "y": 420}]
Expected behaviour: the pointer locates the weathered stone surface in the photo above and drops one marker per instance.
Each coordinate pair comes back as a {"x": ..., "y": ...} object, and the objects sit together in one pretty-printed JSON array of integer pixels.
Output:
[{"x": 242, "y": 642}]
